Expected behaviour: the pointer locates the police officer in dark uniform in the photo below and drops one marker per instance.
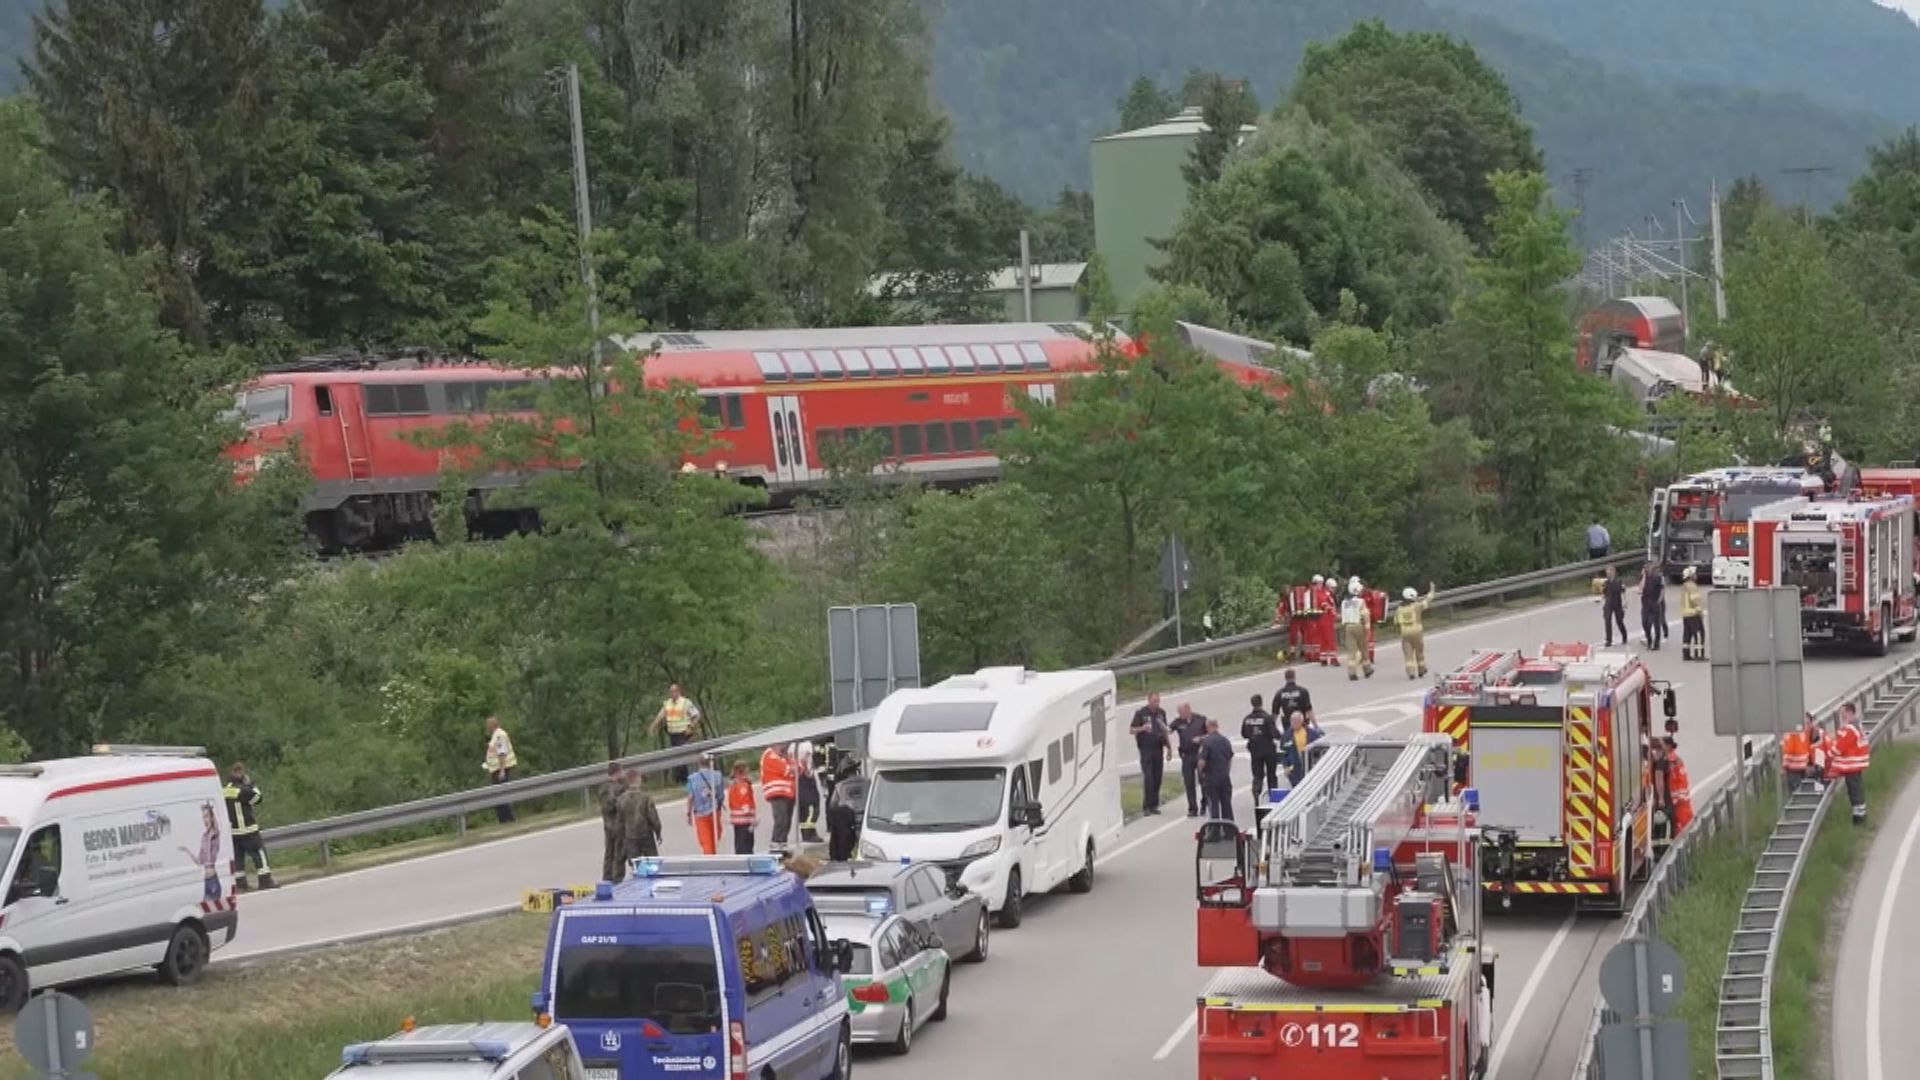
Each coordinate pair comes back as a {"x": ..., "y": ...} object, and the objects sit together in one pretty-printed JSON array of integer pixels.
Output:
[
  {"x": 1149, "y": 729},
  {"x": 844, "y": 807},
  {"x": 1262, "y": 735},
  {"x": 1292, "y": 698},
  {"x": 1215, "y": 752},
  {"x": 1191, "y": 727}
]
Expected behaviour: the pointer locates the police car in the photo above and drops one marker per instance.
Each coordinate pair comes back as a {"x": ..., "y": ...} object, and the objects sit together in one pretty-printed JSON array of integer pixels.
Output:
[
  {"x": 492, "y": 1051},
  {"x": 899, "y": 974},
  {"x": 699, "y": 968}
]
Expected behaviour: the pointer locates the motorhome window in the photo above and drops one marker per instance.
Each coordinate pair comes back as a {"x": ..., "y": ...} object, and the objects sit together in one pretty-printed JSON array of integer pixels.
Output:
[
  {"x": 946, "y": 716},
  {"x": 1091, "y": 736},
  {"x": 935, "y": 800},
  {"x": 1017, "y": 792},
  {"x": 675, "y": 986},
  {"x": 1033, "y": 774},
  {"x": 9, "y": 840},
  {"x": 1053, "y": 762}
]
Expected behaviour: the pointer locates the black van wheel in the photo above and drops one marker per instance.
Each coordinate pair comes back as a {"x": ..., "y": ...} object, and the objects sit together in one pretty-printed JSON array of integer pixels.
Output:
[
  {"x": 1010, "y": 913},
  {"x": 13, "y": 984},
  {"x": 1082, "y": 882},
  {"x": 940, "y": 1010},
  {"x": 186, "y": 956},
  {"x": 903, "y": 1042},
  {"x": 843, "y": 1056}
]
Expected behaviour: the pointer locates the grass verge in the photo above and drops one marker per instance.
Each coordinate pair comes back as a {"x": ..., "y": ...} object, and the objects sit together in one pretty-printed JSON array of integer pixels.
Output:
[
  {"x": 1699, "y": 922},
  {"x": 289, "y": 1018},
  {"x": 1802, "y": 973}
]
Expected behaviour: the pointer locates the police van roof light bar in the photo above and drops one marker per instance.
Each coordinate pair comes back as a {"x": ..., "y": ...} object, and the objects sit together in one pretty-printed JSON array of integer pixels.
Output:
[
  {"x": 425, "y": 1050},
  {"x": 653, "y": 866}
]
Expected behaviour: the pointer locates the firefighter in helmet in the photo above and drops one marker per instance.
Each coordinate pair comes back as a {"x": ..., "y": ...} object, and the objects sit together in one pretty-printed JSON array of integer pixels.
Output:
[
  {"x": 1355, "y": 622},
  {"x": 1413, "y": 634}
]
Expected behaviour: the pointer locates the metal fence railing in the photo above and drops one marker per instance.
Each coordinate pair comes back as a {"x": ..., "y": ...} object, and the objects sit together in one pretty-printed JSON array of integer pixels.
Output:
[
  {"x": 457, "y": 805},
  {"x": 1742, "y": 1039}
]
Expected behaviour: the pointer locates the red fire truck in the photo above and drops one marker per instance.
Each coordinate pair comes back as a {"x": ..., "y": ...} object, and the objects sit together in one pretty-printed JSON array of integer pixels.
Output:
[
  {"x": 1348, "y": 924},
  {"x": 1554, "y": 745},
  {"x": 1685, "y": 516},
  {"x": 1853, "y": 560}
]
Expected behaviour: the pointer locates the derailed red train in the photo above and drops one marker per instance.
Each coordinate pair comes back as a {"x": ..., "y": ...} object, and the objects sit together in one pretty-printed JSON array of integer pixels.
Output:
[{"x": 935, "y": 397}]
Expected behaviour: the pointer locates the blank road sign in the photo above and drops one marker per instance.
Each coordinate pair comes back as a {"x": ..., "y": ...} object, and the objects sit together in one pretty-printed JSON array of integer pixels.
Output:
[
  {"x": 872, "y": 651},
  {"x": 1754, "y": 647}
]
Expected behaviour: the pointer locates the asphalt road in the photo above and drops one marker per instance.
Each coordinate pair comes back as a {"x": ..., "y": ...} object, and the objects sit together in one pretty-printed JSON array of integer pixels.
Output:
[
  {"x": 1872, "y": 1029},
  {"x": 1125, "y": 952}
]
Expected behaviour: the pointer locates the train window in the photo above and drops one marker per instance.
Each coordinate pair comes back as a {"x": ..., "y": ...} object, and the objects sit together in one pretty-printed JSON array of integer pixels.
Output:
[
  {"x": 910, "y": 362},
  {"x": 462, "y": 397},
  {"x": 962, "y": 436},
  {"x": 825, "y": 437},
  {"x": 919, "y": 395},
  {"x": 323, "y": 400},
  {"x": 828, "y": 363},
  {"x": 736, "y": 412},
  {"x": 936, "y": 438},
  {"x": 712, "y": 415},
  {"x": 261, "y": 408},
  {"x": 984, "y": 356},
  {"x": 953, "y": 357},
  {"x": 856, "y": 363},
  {"x": 983, "y": 431},
  {"x": 395, "y": 399},
  {"x": 1008, "y": 423},
  {"x": 1036, "y": 356},
  {"x": 798, "y": 364},
  {"x": 909, "y": 440},
  {"x": 1009, "y": 357},
  {"x": 885, "y": 435},
  {"x": 771, "y": 369},
  {"x": 883, "y": 362},
  {"x": 412, "y": 398}
]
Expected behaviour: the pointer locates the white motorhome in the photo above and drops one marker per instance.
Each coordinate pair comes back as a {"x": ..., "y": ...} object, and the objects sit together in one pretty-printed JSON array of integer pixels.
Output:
[
  {"x": 1009, "y": 778},
  {"x": 116, "y": 861}
]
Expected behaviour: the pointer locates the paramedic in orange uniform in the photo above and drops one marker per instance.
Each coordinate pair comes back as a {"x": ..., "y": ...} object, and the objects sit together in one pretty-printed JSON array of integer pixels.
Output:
[
  {"x": 1678, "y": 789},
  {"x": 742, "y": 812}
]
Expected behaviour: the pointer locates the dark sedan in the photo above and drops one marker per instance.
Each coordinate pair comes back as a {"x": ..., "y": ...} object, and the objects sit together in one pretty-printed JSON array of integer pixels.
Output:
[{"x": 919, "y": 891}]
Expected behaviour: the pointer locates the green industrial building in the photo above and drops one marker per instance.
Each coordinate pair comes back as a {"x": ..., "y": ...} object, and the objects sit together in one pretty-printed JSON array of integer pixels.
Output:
[{"x": 1139, "y": 194}]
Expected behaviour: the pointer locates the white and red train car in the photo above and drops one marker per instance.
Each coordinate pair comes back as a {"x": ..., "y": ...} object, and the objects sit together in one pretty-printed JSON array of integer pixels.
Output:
[{"x": 934, "y": 396}]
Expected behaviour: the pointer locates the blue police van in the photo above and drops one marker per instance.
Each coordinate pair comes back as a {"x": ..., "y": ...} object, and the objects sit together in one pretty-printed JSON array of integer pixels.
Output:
[{"x": 699, "y": 968}]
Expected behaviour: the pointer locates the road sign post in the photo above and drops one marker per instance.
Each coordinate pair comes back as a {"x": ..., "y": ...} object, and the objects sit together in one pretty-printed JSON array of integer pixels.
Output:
[
  {"x": 1755, "y": 658},
  {"x": 54, "y": 1033},
  {"x": 872, "y": 650},
  {"x": 1640, "y": 978},
  {"x": 1176, "y": 577}
]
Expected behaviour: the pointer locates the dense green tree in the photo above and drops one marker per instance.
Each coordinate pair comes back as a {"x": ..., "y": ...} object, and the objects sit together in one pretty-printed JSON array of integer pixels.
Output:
[
  {"x": 162, "y": 103},
  {"x": 936, "y": 251},
  {"x": 985, "y": 572},
  {"x": 1305, "y": 213},
  {"x": 1432, "y": 103},
  {"x": 1145, "y": 104},
  {"x": 1505, "y": 365},
  {"x": 123, "y": 541},
  {"x": 1227, "y": 107}
]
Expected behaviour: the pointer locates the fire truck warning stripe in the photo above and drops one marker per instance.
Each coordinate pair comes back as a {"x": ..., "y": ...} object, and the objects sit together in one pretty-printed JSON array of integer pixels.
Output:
[
  {"x": 1268, "y": 1007},
  {"x": 1569, "y": 888},
  {"x": 1577, "y": 808},
  {"x": 1581, "y": 787}
]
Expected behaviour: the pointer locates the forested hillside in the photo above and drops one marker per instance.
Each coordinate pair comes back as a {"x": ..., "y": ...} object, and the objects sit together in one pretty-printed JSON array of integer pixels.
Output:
[
  {"x": 1028, "y": 85},
  {"x": 1852, "y": 54}
]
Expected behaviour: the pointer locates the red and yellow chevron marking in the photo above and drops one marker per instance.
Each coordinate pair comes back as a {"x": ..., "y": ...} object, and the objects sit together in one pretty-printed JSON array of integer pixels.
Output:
[
  {"x": 1557, "y": 888},
  {"x": 1451, "y": 720},
  {"x": 1603, "y": 800},
  {"x": 1580, "y": 794}
]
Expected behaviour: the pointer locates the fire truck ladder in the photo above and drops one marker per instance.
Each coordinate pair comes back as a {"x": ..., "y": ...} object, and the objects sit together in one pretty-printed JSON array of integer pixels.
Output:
[{"x": 1359, "y": 796}]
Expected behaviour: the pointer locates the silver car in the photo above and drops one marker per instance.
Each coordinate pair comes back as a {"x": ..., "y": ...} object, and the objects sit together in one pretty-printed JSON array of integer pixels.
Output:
[
  {"x": 898, "y": 980},
  {"x": 919, "y": 891},
  {"x": 486, "y": 1051}
]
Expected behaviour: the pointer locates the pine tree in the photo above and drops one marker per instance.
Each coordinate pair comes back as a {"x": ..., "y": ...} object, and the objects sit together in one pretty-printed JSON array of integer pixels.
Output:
[{"x": 1226, "y": 106}]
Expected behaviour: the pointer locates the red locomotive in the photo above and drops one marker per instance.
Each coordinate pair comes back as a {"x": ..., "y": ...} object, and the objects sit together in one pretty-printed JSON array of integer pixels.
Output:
[{"x": 935, "y": 396}]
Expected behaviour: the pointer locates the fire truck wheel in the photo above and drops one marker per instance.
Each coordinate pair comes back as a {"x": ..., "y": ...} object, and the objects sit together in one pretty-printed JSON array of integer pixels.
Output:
[
  {"x": 1082, "y": 882},
  {"x": 1879, "y": 647},
  {"x": 902, "y": 1044},
  {"x": 1010, "y": 913}
]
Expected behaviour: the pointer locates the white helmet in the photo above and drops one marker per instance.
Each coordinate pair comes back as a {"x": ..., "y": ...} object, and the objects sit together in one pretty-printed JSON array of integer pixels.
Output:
[
  {"x": 1408, "y": 593},
  {"x": 1318, "y": 580},
  {"x": 1353, "y": 587}
]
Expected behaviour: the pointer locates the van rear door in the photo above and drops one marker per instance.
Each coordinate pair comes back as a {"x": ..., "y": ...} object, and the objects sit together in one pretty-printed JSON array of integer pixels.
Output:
[{"x": 645, "y": 995}]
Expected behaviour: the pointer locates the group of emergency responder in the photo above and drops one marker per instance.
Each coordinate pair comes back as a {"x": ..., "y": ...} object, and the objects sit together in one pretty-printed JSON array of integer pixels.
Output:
[
  {"x": 793, "y": 788},
  {"x": 1814, "y": 755},
  {"x": 1653, "y": 610},
  {"x": 1206, "y": 755},
  {"x": 1353, "y": 620}
]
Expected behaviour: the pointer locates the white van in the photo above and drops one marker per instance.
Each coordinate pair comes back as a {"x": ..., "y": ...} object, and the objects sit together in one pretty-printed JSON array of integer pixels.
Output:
[
  {"x": 1010, "y": 779},
  {"x": 116, "y": 861}
]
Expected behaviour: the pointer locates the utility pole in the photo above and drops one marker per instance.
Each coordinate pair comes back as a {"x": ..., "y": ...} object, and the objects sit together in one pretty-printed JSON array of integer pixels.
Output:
[
  {"x": 1680, "y": 237},
  {"x": 1026, "y": 278},
  {"x": 1580, "y": 176},
  {"x": 1719, "y": 258},
  {"x": 583, "y": 213},
  {"x": 1806, "y": 173}
]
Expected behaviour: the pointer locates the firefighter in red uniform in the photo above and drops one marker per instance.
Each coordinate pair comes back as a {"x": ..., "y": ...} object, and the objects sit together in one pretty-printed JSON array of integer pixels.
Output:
[
  {"x": 777, "y": 786},
  {"x": 1848, "y": 760},
  {"x": 1678, "y": 789}
]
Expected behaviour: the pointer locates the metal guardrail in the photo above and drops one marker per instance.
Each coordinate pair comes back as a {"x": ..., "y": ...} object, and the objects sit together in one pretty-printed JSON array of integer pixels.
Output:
[
  {"x": 457, "y": 805},
  {"x": 1883, "y": 697}
]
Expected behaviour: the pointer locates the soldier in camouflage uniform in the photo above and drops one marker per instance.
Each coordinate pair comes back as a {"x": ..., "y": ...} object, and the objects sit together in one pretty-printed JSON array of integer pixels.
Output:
[
  {"x": 613, "y": 858},
  {"x": 639, "y": 821}
]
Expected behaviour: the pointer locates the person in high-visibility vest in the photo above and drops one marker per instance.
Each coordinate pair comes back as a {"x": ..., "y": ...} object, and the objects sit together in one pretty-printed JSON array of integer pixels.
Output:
[
  {"x": 681, "y": 718},
  {"x": 1678, "y": 789},
  {"x": 1849, "y": 760},
  {"x": 706, "y": 795},
  {"x": 1693, "y": 617},
  {"x": 1413, "y": 636},
  {"x": 1818, "y": 749},
  {"x": 242, "y": 797},
  {"x": 777, "y": 784},
  {"x": 499, "y": 763},
  {"x": 1355, "y": 618},
  {"x": 742, "y": 811},
  {"x": 1794, "y": 753}
]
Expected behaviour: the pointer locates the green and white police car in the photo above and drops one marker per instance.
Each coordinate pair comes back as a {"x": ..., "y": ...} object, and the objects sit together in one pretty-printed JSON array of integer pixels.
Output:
[{"x": 900, "y": 973}]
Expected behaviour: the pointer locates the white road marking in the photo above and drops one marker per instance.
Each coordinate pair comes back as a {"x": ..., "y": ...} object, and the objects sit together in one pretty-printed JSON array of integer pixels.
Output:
[
  {"x": 1532, "y": 987},
  {"x": 1179, "y": 1036},
  {"x": 1876, "y": 970},
  {"x": 1144, "y": 837}
]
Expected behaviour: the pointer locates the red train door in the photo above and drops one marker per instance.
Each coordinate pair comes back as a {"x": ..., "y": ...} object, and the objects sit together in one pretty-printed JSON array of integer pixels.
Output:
[{"x": 789, "y": 445}]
